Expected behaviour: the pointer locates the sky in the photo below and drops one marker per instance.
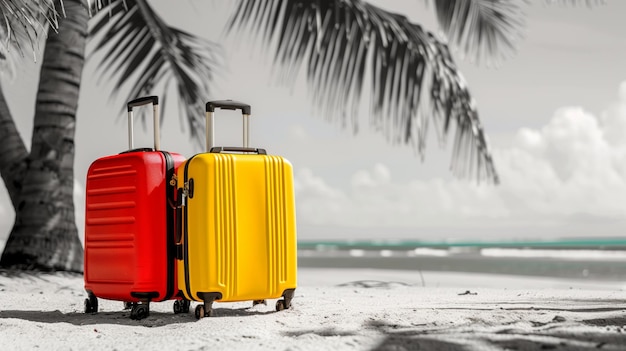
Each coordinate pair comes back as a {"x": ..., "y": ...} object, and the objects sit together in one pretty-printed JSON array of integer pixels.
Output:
[{"x": 554, "y": 113}]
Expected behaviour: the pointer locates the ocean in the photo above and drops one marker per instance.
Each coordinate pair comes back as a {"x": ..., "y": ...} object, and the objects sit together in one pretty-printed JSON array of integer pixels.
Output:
[{"x": 586, "y": 259}]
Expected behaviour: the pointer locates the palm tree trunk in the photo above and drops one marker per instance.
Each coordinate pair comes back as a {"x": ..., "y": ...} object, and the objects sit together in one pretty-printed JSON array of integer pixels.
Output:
[
  {"x": 13, "y": 154},
  {"x": 44, "y": 235}
]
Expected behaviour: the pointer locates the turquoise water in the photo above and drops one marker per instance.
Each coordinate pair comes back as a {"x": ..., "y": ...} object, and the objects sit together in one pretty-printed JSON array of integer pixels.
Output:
[
  {"x": 590, "y": 259},
  {"x": 591, "y": 243}
]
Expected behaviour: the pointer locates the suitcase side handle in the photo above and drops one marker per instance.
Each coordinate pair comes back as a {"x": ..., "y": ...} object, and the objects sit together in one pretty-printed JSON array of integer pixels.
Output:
[
  {"x": 226, "y": 105},
  {"x": 220, "y": 149},
  {"x": 178, "y": 220},
  {"x": 154, "y": 100}
]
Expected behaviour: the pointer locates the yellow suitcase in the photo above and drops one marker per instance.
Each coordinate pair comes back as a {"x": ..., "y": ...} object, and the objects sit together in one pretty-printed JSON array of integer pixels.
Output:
[{"x": 237, "y": 225}]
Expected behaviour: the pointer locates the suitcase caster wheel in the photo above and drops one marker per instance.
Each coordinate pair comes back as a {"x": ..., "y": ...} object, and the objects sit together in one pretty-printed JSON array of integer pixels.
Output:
[
  {"x": 139, "y": 312},
  {"x": 259, "y": 302},
  {"x": 201, "y": 312},
  {"x": 181, "y": 306},
  {"x": 91, "y": 304},
  {"x": 280, "y": 305}
]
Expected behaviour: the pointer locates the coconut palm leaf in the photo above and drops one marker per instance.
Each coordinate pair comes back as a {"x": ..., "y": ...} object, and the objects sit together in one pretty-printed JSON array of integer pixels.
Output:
[
  {"x": 143, "y": 52},
  {"x": 412, "y": 77},
  {"x": 25, "y": 21},
  {"x": 489, "y": 29},
  {"x": 483, "y": 29}
]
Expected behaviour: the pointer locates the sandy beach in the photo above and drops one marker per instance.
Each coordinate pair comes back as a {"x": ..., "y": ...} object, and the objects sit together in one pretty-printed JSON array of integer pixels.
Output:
[{"x": 333, "y": 309}]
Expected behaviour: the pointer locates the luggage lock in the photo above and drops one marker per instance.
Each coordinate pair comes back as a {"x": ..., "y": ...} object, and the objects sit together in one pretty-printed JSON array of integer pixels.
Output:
[
  {"x": 188, "y": 190},
  {"x": 174, "y": 180}
]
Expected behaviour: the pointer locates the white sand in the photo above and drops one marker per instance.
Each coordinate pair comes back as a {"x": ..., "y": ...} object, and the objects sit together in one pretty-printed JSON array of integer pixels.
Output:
[{"x": 347, "y": 309}]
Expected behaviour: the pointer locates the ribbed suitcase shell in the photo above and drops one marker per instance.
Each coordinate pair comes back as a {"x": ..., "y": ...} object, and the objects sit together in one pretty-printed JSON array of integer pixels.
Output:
[
  {"x": 129, "y": 238},
  {"x": 239, "y": 230}
]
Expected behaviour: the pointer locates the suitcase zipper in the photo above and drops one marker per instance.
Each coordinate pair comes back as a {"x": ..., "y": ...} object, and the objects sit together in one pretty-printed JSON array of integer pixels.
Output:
[
  {"x": 185, "y": 231},
  {"x": 169, "y": 195}
]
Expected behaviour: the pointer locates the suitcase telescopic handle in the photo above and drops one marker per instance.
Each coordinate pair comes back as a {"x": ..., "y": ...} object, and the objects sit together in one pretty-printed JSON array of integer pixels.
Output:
[
  {"x": 226, "y": 105},
  {"x": 154, "y": 100}
]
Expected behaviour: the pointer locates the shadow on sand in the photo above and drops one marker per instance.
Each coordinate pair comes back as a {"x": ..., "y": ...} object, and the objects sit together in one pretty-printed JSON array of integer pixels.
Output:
[
  {"x": 557, "y": 334},
  {"x": 515, "y": 336},
  {"x": 155, "y": 319}
]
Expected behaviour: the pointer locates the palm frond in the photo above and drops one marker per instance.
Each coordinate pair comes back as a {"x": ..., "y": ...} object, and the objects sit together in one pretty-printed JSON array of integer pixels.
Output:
[
  {"x": 483, "y": 29},
  {"x": 95, "y": 6},
  {"x": 143, "y": 52},
  {"x": 413, "y": 79},
  {"x": 24, "y": 22}
]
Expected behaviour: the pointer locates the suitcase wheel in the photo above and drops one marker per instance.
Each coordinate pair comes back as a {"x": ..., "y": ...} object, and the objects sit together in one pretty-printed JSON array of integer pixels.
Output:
[
  {"x": 91, "y": 304},
  {"x": 181, "y": 306},
  {"x": 280, "y": 305},
  {"x": 201, "y": 312},
  {"x": 259, "y": 302},
  {"x": 139, "y": 311},
  {"x": 285, "y": 303}
]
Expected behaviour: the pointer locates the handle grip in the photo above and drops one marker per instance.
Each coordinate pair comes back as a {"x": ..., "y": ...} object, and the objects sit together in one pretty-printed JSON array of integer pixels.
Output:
[
  {"x": 154, "y": 100},
  {"x": 227, "y": 105},
  {"x": 143, "y": 101},
  {"x": 219, "y": 149}
]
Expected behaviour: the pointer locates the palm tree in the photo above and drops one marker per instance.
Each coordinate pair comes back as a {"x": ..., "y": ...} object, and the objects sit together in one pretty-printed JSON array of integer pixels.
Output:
[
  {"x": 40, "y": 182},
  {"x": 44, "y": 234},
  {"x": 414, "y": 82}
]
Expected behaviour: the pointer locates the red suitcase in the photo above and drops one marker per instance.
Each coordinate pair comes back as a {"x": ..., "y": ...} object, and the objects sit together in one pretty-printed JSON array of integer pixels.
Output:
[{"x": 129, "y": 223}]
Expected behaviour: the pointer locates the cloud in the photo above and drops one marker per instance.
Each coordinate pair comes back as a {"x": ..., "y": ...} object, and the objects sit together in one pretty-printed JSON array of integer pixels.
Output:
[
  {"x": 374, "y": 200},
  {"x": 568, "y": 167},
  {"x": 572, "y": 170},
  {"x": 379, "y": 176}
]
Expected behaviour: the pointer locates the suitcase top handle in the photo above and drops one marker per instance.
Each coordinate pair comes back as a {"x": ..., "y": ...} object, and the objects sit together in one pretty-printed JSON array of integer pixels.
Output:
[
  {"x": 220, "y": 149},
  {"x": 226, "y": 105},
  {"x": 154, "y": 100}
]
